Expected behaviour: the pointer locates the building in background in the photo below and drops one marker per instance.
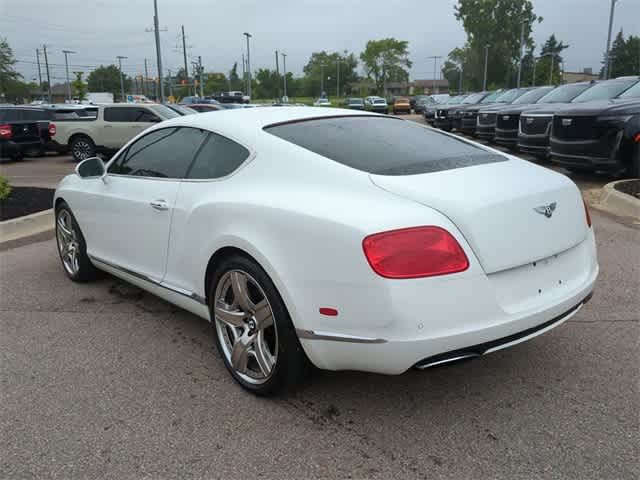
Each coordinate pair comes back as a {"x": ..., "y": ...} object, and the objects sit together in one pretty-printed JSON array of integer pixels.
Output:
[{"x": 585, "y": 76}]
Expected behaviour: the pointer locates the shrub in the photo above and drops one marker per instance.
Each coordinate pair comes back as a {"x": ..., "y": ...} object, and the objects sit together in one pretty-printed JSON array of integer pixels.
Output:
[{"x": 5, "y": 188}]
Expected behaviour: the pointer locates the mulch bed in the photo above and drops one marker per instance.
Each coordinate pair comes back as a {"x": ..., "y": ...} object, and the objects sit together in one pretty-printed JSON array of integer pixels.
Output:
[
  {"x": 630, "y": 187},
  {"x": 25, "y": 201}
]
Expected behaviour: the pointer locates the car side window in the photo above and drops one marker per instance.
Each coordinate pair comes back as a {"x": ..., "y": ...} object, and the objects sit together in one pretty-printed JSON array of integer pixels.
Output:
[
  {"x": 218, "y": 157},
  {"x": 164, "y": 153},
  {"x": 119, "y": 114},
  {"x": 144, "y": 115}
]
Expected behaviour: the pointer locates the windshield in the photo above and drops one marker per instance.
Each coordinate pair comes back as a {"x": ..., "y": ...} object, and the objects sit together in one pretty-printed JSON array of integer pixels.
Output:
[
  {"x": 532, "y": 96},
  {"x": 605, "y": 90},
  {"x": 380, "y": 101},
  {"x": 164, "y": 111},
  {"x": 455, "y": 100},
  {"x": 510, "y": 95},
  {"x": 565, "y": 93},
  {"x": 474, "y": 98},
  {"x": 491, "y": 98},
  {"x": 633, "y": 92},
  {"x": 355, "y": 101}
]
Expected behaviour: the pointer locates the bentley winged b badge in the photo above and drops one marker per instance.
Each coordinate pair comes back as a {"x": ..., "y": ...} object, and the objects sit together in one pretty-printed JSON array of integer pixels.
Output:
[{"x": 546, "y": 210}]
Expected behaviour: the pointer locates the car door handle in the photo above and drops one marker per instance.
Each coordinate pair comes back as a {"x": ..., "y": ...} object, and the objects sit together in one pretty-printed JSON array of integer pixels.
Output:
[{"x": 159, "y": 205}]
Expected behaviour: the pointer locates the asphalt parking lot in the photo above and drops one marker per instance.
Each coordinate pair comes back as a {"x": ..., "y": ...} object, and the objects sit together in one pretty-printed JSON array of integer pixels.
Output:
[{"x": 104, "y": 380}]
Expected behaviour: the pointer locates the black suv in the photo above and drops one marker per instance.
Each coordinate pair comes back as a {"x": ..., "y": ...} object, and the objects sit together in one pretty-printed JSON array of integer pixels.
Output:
[
  {"x": 447, "y": 116},
  {"x": 24, "y": 130},
  {"x": 487, "y": 118},
  {"x": 469, "y": 118},
  {"x": 535, "y": 123},
  {"x": 599, "y": 136}
]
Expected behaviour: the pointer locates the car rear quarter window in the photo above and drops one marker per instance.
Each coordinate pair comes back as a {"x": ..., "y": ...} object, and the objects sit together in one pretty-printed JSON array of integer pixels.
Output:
[
  {"x": 218, "y": 157},
  {"x": 164, "y": 153},
  {"x": 119, "y": 114},
  {"x": 382, "y": 145},
  {"x": 35, "y": 115}
]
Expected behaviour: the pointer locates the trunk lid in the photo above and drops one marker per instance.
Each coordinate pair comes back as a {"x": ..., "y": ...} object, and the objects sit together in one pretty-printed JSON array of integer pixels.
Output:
[{"x": 494, "y": 206}]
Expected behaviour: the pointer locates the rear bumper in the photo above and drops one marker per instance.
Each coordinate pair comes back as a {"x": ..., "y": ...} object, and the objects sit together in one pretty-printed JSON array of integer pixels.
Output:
[
  {"x": 9, "y": 148},
  {"x": 487, "y": 320}
]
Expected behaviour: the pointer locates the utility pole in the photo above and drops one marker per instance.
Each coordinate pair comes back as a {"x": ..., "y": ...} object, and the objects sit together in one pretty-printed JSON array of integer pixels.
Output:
[
  {"x": 120, "y": 58},
  {"x": 66, "y": 66},
  {"x": 244, "y": 74},
  {"x": 278, "y": 76},
  {"x": 170, "y": 83},
  {"x": 435, "y": 60},
  {"x": 486, "y": 60},
  {"x": 146, "y": 77},
  {"x": 553, "y": 60},
  {"x": 535, "y": 63},
  {"x": 338, "y": 62},
  {"x": 39, "y": 72},
  {"x": 200, "y": 71},
  {"x": 608, "y": 52},
  {"x": 460, "y": 80},
  {"x": 248, "y": 35},
  {"x": 184, "y": 54},
  {"x": 46, "y": 62},
  {"x": 284, "y": 69},
  {"x": 520, "y": 50},
  {"x": 158, "y": 54},
  {"x": 321, "y": 79}
]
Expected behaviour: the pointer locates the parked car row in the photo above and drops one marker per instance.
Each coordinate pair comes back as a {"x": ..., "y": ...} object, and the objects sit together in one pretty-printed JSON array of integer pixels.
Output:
[{"x": 584, "y": 126}]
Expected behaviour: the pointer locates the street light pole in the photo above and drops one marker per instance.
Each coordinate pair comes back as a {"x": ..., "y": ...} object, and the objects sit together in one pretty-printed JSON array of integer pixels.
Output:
[
  {"x": 158, "y": 54},
  {"x": 120, "y": 58},
  {"x": 486, "y": 61},
  {"x": 321, "y": 79},
  {"x": 553, "y": 58},
  {"x": 46, "y": 63},
  {"x": 66, "y": 66},
  {"x": 248, "y": 35},
  {"x": 608, "y": 51},
  {"x": 520, "y": 50},
  {"x": 460, "y": 81},
  {"x": 284, "y": 70},
  {"x": 435, "y": 59},
  {"x": 338, "y": 62}
]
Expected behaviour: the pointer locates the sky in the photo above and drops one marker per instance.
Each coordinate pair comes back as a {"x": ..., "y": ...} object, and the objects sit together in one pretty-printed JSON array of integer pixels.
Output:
[{"x": 99, "y": 30}]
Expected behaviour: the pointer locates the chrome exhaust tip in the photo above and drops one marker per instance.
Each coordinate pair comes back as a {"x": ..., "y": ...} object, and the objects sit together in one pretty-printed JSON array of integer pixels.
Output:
[{"x": 435, "y": 361}]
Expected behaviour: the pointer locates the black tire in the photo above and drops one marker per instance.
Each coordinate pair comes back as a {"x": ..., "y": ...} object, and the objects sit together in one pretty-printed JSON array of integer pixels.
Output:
[
  {"x": 291, "y": 363},
  {"x": 634, "y": 168},
  {"x": 85, "y": 271},
  {"x": 82, "y": 147}
]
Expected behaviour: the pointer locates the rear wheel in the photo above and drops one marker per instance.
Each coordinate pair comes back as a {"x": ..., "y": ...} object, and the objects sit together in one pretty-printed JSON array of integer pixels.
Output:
[
  {"x": 82, "y": 147},
  {"x": 72, "y": 247},
  {"x": 254, "y": 333}
]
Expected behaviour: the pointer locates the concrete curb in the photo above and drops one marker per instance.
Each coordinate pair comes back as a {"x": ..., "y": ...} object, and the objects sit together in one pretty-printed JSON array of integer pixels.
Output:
[
  {"x": 619, "y": 203},
  {"x": 26, "y": 226}
]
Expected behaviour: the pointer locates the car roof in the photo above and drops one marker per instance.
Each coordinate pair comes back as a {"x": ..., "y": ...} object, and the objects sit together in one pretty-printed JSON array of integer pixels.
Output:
[{"x": 244, "y": 123}]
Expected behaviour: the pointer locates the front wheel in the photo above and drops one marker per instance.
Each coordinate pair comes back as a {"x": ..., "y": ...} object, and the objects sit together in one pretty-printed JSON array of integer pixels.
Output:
[{"x": 254, "y": 332}]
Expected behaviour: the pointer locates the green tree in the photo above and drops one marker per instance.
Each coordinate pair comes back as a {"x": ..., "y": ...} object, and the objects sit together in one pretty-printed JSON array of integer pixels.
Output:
[
  {"x": 551, "y": 50},
  {"x": 78, "y": 87},
  {"x": 345, "y": 61},
  {"x": 8, "y": 75},
  {"x": 267, "y": 83},
  {"x": 386, "y": 60},
  {"x": 496, "y": 23},
  {"x": 235, "y": 82},
  {"x": 215, "y": 82},
  {"x": 107, "y": 79},
  {"x": 624, "y": 57}
]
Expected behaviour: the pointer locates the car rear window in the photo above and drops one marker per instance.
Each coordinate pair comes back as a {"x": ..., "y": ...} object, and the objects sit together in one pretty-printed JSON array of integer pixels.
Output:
[{"x": 382, "y": 145}]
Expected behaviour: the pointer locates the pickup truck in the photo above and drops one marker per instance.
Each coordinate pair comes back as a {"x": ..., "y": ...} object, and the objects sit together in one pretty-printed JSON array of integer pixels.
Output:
[
  {"x": 23, "y": 131},
  {"x": 112, "y": 127}
]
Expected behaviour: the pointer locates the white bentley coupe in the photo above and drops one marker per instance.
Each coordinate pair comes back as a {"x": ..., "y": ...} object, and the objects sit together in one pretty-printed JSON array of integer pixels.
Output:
[{"x": 348, "y": 239}]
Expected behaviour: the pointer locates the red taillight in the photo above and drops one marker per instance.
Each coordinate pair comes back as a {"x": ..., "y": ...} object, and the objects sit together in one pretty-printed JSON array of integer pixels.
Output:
[
  {"x": 52, "y": 129},
  {"x": 586, "y": 213},
  {"x": 414, "y": 252},
  {"x": 5, "y": 131}
]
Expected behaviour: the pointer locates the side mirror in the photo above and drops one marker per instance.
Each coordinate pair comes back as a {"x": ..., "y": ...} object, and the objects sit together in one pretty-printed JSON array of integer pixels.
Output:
[{"x": 91, "y": 168}]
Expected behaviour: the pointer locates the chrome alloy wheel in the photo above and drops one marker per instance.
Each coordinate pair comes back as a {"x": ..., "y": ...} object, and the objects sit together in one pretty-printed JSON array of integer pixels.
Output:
[
  {"x": 82, "y": 149},
  {"x": 245, "y": 326},
  {"x": 68, "y": 244}
]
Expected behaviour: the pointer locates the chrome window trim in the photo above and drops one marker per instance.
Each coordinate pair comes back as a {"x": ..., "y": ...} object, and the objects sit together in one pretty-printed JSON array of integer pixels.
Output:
[{"x": 181, "y": 291}]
